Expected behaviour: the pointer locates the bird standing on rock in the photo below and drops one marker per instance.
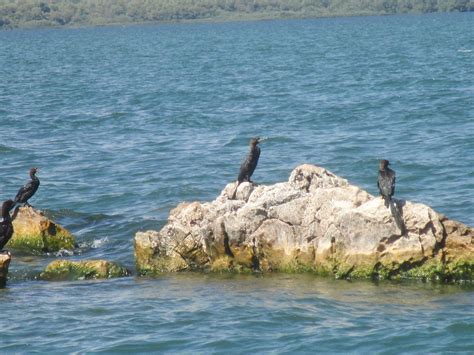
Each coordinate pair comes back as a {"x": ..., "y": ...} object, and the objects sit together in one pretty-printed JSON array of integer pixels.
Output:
[
  {"x": 6, "y": 226},
  {"x": 386, "y": 185},
  {"x": 29, "y": 189},
  {"x": 386, "y": 181},
  {"x": 248, "y": 166}
]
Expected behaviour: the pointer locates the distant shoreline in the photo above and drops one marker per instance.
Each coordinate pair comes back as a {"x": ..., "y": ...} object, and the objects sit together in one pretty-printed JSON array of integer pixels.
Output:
[
  {"x": 239, "y": 17},
  {"x": 59, "y": 18}
]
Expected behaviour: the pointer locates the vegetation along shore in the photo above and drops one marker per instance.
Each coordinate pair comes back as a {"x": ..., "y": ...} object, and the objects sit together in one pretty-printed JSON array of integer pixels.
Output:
[{"x": 74, "y": 13}]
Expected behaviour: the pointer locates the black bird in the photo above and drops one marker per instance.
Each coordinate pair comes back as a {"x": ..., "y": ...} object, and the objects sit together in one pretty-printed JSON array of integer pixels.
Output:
[
  {"x": 6, "y": 226},
  {"x": 29, "y": 189},
  {"x": 386, "y": 181},
  {"x": 386, "y": 185},
  {"x": 248, "y": 166}
]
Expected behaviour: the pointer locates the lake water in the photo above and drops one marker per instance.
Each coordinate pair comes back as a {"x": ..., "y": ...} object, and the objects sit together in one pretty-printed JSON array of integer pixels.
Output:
[{"x": 126, "y": 122}]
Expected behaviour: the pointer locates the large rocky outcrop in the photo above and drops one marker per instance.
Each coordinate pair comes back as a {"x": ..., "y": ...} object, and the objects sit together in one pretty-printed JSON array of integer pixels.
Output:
[
  {"x": 316, "y": 222},
  {"x": 61, "y": 270},
  {"x": 5, "y": 259},
  {"x": 36, "y": 234}
]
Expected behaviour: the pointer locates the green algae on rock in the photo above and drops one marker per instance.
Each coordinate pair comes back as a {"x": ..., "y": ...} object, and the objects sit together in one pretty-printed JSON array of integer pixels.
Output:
[
  {"x": 315, "y": 222},
  {"x": 34, "y": 233},
  {"x": 4, "y": 263},
  {"x": 66, "y": 270}
]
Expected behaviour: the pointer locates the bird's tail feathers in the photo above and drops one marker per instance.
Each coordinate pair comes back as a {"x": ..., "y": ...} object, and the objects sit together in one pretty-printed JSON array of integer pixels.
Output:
[
  {"x": 15, "y": 208},
  {"x": 397, "y": 216},
  {"x": 235, "y": 190},
  {"x": 15, "y": 205}
]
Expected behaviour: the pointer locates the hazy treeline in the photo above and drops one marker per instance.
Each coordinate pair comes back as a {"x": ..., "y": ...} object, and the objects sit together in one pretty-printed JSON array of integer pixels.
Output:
[{"x": 19, "y": 13}]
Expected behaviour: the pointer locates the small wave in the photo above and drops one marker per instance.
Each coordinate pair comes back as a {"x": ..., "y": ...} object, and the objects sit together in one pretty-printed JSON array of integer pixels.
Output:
[
  {"x": 280, "y": 139},
  {"x": 239, "y": 140},
  {"x": 461, "y": 328},
  {"x": 7, "y": 149},
  {"x": 64, "y": 252},
  {"x": 63, "y": 213},
  {"x": 94, "y": 244},
  {"x": 97, "y": 243},
  {"x": 234, "y": 141},
  {"x": 68, "y": 213},
  {"x": 462, "y": 50}
]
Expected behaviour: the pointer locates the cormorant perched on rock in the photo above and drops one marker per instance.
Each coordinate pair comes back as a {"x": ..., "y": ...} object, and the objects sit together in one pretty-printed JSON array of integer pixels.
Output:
[
  {"x": 248, "y": 166},
  {"x": 29, "y": 189},
  {"x": 386, "y": 181},
  {"x": 6, "y": 226},
  {"x": 386, "y": 185}
]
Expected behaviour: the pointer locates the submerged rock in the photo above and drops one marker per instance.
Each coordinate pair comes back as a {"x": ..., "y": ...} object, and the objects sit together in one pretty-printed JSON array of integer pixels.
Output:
[
  {"x": 315, "y": 222},
  {"x": 34, "y": 233},
  {"x": 62, "y": 270},
  {"x": 4, "y": 263}
]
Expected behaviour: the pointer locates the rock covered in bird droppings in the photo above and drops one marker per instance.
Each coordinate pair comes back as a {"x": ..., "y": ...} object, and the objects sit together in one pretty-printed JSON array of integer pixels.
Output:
[{"x": 316, "y": 222}]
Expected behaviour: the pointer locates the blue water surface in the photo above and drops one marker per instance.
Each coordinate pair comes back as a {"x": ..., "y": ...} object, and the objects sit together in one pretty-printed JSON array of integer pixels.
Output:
[{"x": 126, "y": 122}]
